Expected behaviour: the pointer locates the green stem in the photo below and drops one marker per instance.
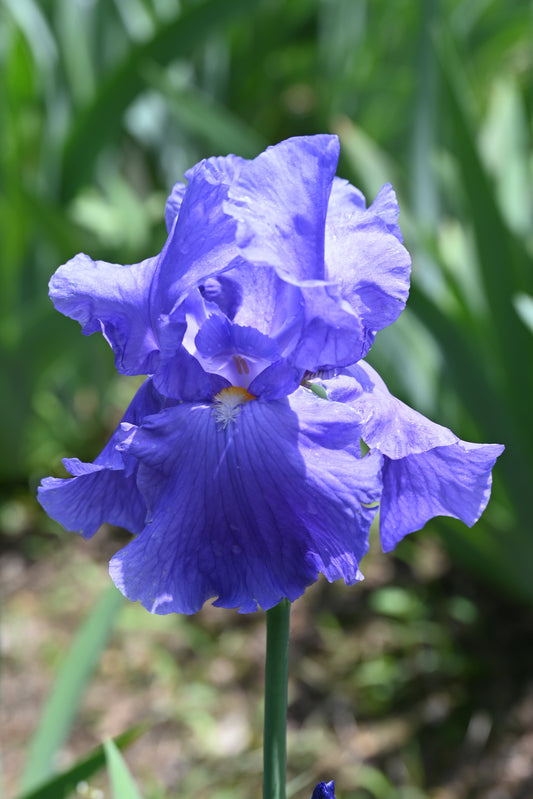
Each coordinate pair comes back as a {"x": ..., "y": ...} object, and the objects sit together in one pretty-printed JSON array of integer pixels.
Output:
[{"x": 277, "y": 670}]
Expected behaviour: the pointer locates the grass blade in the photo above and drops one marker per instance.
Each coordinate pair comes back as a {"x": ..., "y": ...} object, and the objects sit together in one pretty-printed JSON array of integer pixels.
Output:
[
  {"x": 506, "y": 268},
  {"x": 61, "y": 786},
  {"x": 69, "y": 688},
  {"x": 424, "y": 187},
  {"x": 122, "y": 784}
]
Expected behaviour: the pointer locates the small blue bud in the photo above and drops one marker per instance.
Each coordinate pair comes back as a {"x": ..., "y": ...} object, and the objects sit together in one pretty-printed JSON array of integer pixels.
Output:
[{"x": 324, "y": 790}]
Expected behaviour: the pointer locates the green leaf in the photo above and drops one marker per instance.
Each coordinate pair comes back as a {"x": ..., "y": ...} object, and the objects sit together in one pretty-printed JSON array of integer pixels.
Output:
[
  {"x": 367, "y": 160},
  {"x": 61, "y": 786},
  {"x": 122, "y": 784},
  {"x": 424, "y": 188},
  {"x": 69, "y": 687},
  {"x": 523, "y": 304},
  {"x": 100, "y": 122},
  {"x": 506, "y": 268},
  {"x": 73, "y": 30},
  {"x": 201, "y": 116},
  {"x": 505, "y": 145},
  {"x": 33, "y": 23}
]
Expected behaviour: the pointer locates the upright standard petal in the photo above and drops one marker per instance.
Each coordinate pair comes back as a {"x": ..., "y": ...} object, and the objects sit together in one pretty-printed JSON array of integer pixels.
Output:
[
  {"x": 332, "y": 335},
  {"x": 106, "y": 490},
  {"x": 114, "y": 300},
  {"x": 427, "y": 470},
  {"x": 267, "y": 303},
  {"x": 280, "y": 203},
  {"x": 365, "y": 257},
  {"x": 173, "y": 205},
  {"x": 250, "y": 512},
  {"x": 201, "y": 243}
]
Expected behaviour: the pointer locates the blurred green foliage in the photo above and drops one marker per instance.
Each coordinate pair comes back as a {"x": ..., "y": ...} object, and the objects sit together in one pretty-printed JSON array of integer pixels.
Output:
[{"x": 104, "y": 104}]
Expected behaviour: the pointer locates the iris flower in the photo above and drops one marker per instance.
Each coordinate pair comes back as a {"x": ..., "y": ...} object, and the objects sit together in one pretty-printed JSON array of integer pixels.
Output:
[{"x": 239, "y": 466}]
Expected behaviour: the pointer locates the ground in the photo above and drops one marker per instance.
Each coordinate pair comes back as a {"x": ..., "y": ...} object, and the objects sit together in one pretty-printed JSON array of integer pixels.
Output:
[{"x": 416, "y": 683}]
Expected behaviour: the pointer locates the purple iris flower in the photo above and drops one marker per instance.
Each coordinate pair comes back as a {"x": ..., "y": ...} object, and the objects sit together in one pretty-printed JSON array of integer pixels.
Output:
[
  {"x": 324, "y": 790},
  {"x": 238, "y": 480}
]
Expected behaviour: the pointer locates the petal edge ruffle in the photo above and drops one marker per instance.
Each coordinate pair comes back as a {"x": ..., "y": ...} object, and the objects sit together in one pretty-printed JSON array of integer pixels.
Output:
[
  {"x": 445, "y": 481},
  {"x": 114, "y": 300},
  {"x": 427, "y": 470},
  {"x": 106, "y": 490}
]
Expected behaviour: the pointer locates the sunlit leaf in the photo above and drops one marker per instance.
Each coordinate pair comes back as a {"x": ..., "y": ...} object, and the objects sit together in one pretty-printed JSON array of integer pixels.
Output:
[{"x": 122, "y": 784}]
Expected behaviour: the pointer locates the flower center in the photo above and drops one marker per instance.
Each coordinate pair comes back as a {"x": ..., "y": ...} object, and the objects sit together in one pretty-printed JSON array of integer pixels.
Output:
[{"x": 226, "y": 404}]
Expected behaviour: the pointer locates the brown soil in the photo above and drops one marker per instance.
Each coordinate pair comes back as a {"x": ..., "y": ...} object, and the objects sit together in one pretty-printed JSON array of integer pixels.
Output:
[{"x": 437, "y": 699}]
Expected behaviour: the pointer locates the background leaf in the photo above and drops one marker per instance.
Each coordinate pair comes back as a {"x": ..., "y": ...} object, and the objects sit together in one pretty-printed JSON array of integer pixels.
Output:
[
  {"x": 103, "y": 116},
  {"x": 65, "y": 783},
  {"x": 122, "y": 784},
  {"x": 69, "y": 688}
]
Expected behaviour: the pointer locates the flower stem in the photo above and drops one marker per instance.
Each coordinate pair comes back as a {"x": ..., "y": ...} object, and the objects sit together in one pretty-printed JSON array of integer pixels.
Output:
[{"x": 276, "y": 676}]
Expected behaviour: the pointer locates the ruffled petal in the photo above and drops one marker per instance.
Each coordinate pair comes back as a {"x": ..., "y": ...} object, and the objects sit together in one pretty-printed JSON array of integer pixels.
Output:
[
  {"x": 348, "y": 203},
  {"x": 386, "y": 207},
  {"x": 251, "y": 236},
  {"x": 427, "y": 470},
  {"x": 224, "y": 168},
  {"x": 180, "y": 375},
  {"x": 173, "y": 205},
  {"x": 345, "y": 198},
  {"x": 236, "y": 352},
  {"x": 95, "y": 494},
  {"x": 251, "y": 513},
  {"x": 272, "y": 306},
  {"x": 201, "y": 243},
  {"x": 280, "y": 203},
  {"x": 332, "y": 335},
  {"x": 112, "y": 299},
  {"x": 183, "y": 378},
  {"x": 106, "y": 490},
  {"x": 276, "y": 381},
  {"x": 365, "y": 257},
  {"x": 445, "y": 481},
  {"x": 388, "y": 424}
]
